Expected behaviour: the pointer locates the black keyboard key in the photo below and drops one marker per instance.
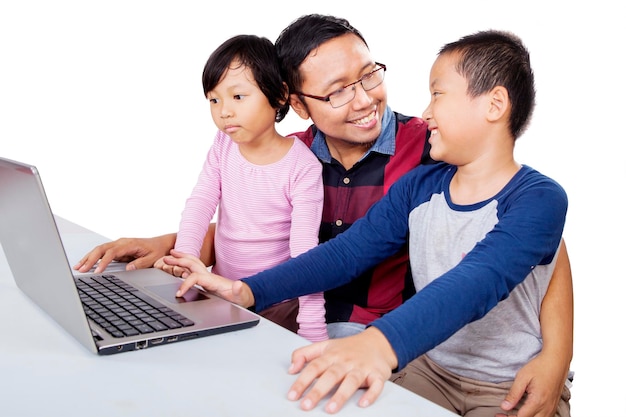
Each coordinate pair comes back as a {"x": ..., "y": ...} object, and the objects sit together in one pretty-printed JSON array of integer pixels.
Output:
[{"x": 122, "y": 310}]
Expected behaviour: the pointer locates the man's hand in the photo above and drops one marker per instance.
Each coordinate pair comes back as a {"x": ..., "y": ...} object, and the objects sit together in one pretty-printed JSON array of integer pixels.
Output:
[
  {"x": 542, "y": 378},
  {"x": 139, "y": 253},
  {"x": 543, "y": 385}
]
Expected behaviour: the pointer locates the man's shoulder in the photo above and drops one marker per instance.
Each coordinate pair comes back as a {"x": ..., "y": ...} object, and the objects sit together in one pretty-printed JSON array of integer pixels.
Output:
[
  {"x": 403, "y": 118},
  {"x": 306, "y": 136},
  {"x": 408, "y": 124},
  {"x": 412, "y": 135}
]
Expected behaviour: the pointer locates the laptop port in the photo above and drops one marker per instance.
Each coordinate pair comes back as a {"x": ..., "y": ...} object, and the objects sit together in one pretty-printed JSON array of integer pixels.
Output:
[
  {"x": 157, "y": 341},
  {"x": 141, "y": 345},
  {"x": 172, "y": 339}
]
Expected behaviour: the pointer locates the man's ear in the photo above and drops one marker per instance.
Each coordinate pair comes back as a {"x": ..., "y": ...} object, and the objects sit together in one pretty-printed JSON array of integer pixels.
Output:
[
  {"x": 298, "y": 106},
  {"x": 499, "y": 103},
  {"x": 285, "y": 95}
]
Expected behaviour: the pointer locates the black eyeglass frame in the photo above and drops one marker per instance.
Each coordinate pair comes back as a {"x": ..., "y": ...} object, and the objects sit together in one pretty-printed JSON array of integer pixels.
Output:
[{"x": 360, "y": 80}]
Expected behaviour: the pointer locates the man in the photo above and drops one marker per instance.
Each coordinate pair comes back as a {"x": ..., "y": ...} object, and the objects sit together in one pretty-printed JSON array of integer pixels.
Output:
[{"x": 364, "y": 147}]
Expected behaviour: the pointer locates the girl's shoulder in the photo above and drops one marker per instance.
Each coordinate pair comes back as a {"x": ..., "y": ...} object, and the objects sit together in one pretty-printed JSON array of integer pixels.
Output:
[{"x": 302, "y": 150}]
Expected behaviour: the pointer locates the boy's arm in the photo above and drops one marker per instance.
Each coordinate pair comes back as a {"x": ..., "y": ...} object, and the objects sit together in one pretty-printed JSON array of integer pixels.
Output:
[{"x": 542, "y": 379}]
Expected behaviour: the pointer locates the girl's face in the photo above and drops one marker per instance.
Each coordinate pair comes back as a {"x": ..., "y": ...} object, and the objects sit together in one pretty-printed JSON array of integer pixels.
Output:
[{"x": 239, "y": 108}]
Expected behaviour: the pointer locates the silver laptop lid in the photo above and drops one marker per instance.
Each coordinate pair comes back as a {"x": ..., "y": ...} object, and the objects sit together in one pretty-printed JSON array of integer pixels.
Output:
[{"x": 34, "y": 251}]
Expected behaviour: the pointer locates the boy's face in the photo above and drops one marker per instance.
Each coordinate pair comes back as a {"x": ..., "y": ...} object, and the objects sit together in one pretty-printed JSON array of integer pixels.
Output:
[
  {"x": 336, "y": 63},
  {"x": 239, "y": 108},
  {"x": 455, "y": 119}
]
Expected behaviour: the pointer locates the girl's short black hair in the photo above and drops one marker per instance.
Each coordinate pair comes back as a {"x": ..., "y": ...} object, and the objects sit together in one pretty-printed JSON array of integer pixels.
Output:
[{"x": 259, "y": 55}]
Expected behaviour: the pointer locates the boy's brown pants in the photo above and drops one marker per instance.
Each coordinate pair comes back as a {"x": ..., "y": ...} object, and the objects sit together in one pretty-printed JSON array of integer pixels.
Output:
[{"x": 463, "y": 396}]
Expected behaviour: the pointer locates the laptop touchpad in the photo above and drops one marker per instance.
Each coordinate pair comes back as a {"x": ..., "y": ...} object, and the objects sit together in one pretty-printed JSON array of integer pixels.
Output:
[{"x": 168, "y": 292}]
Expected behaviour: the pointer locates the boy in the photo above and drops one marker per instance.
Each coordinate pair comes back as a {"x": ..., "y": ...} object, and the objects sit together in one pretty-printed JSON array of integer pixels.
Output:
[{"x": 478, "y": 223}]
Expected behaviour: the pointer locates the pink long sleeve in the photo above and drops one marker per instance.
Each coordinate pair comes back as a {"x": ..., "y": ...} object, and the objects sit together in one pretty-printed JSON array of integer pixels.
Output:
[
  {"x": 202, "y": 204},
  {"x": 309, "y": 324},
  {"x": 265, "y": 215},
  {"x": 311, "y": 317}
]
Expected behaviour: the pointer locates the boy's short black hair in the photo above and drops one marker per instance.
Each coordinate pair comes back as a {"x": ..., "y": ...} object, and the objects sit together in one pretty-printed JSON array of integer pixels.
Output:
[
  {"x": 302, "y": 36},
  {"x": 259, "y": 55},
  {"x": 497, "y": 58}
]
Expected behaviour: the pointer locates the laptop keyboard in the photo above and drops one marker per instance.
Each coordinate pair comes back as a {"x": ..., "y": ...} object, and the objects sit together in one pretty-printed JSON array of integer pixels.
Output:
[{"x": 123, "y": 310}]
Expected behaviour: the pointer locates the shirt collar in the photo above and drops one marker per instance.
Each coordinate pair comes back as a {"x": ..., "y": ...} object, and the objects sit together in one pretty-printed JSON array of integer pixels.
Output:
[{"x": 385, "y": 144}]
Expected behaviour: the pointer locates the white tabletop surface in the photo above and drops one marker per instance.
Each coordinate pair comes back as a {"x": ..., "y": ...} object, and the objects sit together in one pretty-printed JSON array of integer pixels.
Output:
[{"x": 45, "y": 372}]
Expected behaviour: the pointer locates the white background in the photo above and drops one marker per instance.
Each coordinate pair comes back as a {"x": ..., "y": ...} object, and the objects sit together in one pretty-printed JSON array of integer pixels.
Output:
[{"x": 106, "y": 99}]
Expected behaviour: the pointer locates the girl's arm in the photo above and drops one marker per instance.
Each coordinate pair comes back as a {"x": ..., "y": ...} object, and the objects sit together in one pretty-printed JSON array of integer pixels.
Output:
[{"x": 307, "y": 202}]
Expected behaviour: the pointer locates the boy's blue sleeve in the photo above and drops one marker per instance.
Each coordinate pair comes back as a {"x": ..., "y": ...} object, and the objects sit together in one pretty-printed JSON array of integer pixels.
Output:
[
  {"x": 381, "y": 233},
  {"x": 528, "y": 233}
]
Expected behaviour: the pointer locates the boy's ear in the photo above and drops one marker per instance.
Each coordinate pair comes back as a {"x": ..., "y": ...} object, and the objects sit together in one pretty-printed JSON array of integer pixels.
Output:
[
  {"x": 499, "y": 103},
  {"x": 298, "y": 106}
]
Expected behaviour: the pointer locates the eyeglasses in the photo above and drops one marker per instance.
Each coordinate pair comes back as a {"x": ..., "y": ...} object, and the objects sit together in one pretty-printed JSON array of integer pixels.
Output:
[{"x": 345, "y": 94}]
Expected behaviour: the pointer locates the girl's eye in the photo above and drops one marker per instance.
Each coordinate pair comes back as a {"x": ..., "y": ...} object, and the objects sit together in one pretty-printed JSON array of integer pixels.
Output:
[
  {"x": 213, "y": 100},
  {"x": 238, "y": 97}
]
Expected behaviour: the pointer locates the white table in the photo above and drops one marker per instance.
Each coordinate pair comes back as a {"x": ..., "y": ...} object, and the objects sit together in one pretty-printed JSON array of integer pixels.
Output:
[{"x": 45, "y": 372}]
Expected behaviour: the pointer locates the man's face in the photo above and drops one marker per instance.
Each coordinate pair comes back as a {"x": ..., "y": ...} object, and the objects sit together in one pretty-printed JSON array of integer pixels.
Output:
[{"x": 336, "y": 63}]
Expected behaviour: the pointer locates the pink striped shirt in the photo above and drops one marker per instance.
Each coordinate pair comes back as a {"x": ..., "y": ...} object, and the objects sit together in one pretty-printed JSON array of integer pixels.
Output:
[{"x": 267, "y": 214}]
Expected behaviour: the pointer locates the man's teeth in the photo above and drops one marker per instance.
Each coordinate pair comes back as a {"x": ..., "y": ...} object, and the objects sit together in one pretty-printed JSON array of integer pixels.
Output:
[{"x": 365, "y": 119}]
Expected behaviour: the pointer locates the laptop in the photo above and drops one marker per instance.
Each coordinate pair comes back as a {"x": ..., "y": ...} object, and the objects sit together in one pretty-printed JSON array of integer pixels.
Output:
[{"x": 112, "y": 312}]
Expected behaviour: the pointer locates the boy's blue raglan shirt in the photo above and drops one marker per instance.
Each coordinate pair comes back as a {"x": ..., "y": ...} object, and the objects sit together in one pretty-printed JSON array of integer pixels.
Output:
[{"x": 531, "y": 213}]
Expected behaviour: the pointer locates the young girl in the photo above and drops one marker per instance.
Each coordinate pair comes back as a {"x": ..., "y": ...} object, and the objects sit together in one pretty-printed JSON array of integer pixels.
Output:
[{"x": 268, "y": 187}]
